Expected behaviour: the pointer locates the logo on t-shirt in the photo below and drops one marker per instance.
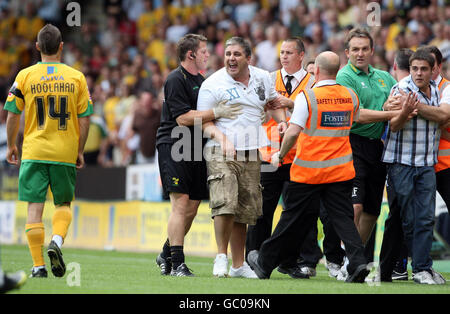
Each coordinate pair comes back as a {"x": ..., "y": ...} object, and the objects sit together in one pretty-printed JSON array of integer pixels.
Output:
[
  {"x": 261, "y": 92},
  {"x": 233, "y": 93},
  {"x": 51, "y": 70},
  {"x": 335, "y": 118}
]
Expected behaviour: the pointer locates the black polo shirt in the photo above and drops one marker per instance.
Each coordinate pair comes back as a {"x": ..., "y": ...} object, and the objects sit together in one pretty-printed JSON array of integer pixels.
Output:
[{"x": 180, "y": 96}]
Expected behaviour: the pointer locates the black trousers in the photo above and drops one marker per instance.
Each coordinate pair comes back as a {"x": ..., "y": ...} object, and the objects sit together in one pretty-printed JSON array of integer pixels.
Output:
[
  {"x": 443, "y": 186},
  {"x": 331, "y": 243},
  {"x": 302, "y": 210},
  {"x": 275, "y": 185}
]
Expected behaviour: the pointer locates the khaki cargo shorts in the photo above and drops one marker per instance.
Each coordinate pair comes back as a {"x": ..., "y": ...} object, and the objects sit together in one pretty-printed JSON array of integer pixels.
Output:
[{"x": 234, "y": 185}]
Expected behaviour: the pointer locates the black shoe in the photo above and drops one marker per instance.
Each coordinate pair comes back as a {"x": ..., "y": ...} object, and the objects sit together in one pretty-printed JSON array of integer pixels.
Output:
[
  {"x": 164, "y": 264},
  {"x": 182, "y": 271},
  {"x": 56, "y": 259},
  {"x": 400, "y": 271},
  {"x": 293, "y": 271},
  {"x": 252, "y": 259},
  {"x": 399, "y": 276},
  {"x": 359, "y": 275},
  {"x": 13, "y": 281},
  {"x": 40, "y": 273}
]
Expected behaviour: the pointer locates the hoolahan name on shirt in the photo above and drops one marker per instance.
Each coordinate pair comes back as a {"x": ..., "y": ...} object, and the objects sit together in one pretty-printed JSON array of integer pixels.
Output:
[{"x": 52, "y": 87}]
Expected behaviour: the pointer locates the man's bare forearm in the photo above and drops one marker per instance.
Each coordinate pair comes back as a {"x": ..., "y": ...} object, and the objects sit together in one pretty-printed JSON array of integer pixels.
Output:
[
  {"x": 289, "y": 139},
  {"x": 372, "y": 116},
  {"x": 83, "y": 124},
  {"x": 189, "y": 118},
  {"x": 436, "y": 114},
  {"x": 279, "y": 115},
  {"x": 12, "y": 128}
]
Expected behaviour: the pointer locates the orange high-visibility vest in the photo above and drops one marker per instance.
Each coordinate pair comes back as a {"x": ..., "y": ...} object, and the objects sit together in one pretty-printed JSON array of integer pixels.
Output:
[
  {"x": 444, "y": 145},
  {"x": 324, "y": 154},
  {"x": 442, "y": 85},
  {"x": 271, "y": 126}
]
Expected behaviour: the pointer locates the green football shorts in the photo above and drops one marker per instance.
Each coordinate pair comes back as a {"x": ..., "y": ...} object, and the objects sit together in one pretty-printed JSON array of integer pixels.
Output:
[{"x": 35, "y": 177}]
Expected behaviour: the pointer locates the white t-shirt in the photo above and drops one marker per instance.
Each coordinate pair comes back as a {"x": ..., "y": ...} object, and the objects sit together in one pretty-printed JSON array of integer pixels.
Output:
[
  {"x": 300, "y": 114},
  {"x": 245, "y": 132}
]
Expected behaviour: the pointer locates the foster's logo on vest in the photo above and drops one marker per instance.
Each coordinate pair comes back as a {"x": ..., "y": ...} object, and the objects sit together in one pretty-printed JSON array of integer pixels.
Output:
[{"x": 335, "y": 118}]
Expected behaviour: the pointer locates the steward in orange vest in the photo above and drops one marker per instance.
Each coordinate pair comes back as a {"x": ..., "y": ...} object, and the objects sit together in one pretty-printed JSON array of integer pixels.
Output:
[
  {"x": 444, "y": 145},
  {"x": 442, "y": 167},
  {"x": 322, "y": 172},
  {"x": 324, "y": 154},
  {"x": 271, "y": 126}
]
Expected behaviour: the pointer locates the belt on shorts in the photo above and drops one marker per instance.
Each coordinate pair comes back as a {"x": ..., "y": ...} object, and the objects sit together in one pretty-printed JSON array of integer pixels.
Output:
[{"x": 240, "y": 154}]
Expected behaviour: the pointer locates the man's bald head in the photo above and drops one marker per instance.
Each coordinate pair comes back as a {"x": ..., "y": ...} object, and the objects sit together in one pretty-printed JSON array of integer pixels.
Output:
[{"x": 328, "y": 63}]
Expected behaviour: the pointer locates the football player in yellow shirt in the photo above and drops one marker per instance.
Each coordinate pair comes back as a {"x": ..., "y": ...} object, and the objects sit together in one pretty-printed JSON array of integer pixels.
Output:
[{"x": 57, "y": 106}]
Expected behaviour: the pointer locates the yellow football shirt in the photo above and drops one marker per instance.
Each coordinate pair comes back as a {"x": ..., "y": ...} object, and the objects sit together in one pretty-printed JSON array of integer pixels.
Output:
[{"x": 53, "y": 96}]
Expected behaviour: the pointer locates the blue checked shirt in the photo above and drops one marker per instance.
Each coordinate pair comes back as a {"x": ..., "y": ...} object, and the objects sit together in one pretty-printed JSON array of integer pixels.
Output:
[{"x": 417, "y": 143}]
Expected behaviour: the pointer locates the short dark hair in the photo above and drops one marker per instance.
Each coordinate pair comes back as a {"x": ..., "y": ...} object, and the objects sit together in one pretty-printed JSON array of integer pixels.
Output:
[
  {"x": 422, "y": 54},
  {"x": 189, "y": 42},
  {"x": 241, "y": 42},
  {"x": 48, "y": 39},
  {"x": 298, "y": 41},
  {"x": 435, "y": 51},
  {"x": 360, "y": 33},
  {"x": 402, "y": 58}
]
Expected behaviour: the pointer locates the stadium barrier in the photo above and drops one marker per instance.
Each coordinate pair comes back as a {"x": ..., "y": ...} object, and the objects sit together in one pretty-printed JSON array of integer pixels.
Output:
[{"x": 128, "y": 226}]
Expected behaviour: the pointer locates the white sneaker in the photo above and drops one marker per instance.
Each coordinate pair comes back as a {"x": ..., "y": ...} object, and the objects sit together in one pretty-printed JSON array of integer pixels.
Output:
[
  {"x": 311, "y": 272},
  {"x": 373, "y": 276},
  {"x": 244, "y": 271},
  {"x": 438, "y": 278},
  {"x": 220, "y": 265},
  {"x": 333, "y": 269},
  {"x": 343, "y": 273},
  {"x": 424, "y": 277}
]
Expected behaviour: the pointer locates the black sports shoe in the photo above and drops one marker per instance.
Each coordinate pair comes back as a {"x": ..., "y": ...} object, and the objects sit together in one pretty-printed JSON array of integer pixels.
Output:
[
  {"x": 252, "y": 259},
  {"x": 359, "y": 275},
  {"x": 40, "y": 273},
  {"x": 400, "y": 271},
  {"x": 294, "y": 271},
  {"x": 13, "y": 281},
  {"x": 399, "y": 276},
  {"x": 56, "y": 259},
  {"x": 182, "y": 271},
  {"x": 164, "y": 264}
]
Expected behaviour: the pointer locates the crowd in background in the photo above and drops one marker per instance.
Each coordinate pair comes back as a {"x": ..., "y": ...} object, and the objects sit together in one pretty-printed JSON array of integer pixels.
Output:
[{"x": 127, "y": 51}]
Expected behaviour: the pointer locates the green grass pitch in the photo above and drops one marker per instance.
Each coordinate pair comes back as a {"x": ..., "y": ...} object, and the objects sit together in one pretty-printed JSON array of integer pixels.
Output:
[{"x": 111, "y": 272}]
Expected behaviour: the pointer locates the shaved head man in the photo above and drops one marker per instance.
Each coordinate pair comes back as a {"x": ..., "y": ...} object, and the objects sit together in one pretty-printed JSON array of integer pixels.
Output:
[{"x": 322, "y": 117}]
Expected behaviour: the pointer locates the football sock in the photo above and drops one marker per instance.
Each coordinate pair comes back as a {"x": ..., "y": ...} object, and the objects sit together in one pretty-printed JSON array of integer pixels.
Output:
[
  {"x": 36, "y": 235},
  {"x": 177, "y": 256},
  {"x": 58, "y": 240},
  {"x": 36, "y": 268},
  {"x": 61, "y": 220},
  {"x": 166, "y": 249}
]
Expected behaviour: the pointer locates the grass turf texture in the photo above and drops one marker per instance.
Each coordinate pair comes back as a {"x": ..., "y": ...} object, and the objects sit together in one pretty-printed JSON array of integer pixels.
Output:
[{"x": 130, "y": 273}]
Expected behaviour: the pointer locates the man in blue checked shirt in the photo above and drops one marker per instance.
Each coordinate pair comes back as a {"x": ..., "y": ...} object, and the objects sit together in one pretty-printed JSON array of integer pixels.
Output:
[{"x": 410, "y": 151}]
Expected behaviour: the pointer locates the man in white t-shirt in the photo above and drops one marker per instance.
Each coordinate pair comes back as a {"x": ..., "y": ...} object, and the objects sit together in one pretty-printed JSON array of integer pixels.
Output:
[{"x": 232, "y": 155}]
